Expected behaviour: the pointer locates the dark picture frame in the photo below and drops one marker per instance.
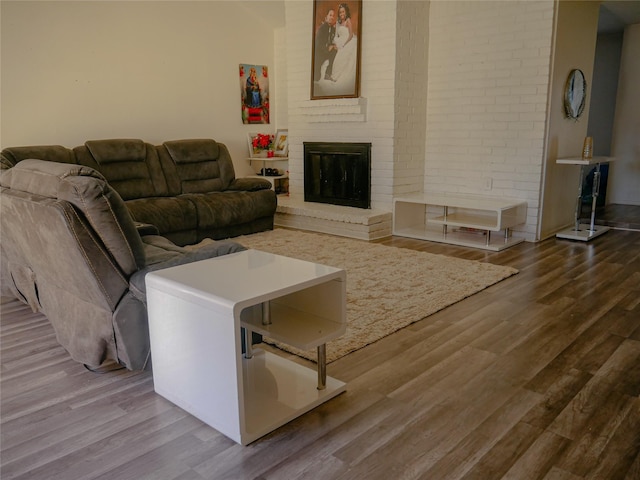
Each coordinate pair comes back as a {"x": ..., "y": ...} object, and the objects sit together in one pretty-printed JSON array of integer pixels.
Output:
[{"x": 335, "y": 53}]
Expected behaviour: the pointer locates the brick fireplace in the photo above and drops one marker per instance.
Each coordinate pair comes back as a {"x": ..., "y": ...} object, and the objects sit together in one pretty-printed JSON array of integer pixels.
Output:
[
  {"x": 336, "y": 197},
  {"x": 390, "y": 115}
]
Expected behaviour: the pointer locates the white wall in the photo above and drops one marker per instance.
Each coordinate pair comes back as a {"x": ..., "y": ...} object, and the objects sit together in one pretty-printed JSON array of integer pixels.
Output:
[
  {"x": 604, "y": 88},
  {"x": 411, "y": 82},
  {"x": 155, "y": 70},
  {"x": 489, "y": 65},
  {"x": 624, "y": 173},
  {"x": 575, "y": 48}
]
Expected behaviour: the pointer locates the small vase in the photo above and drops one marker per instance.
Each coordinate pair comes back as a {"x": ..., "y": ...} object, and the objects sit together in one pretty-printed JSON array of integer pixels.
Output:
[{"x": 587, "y": 148}]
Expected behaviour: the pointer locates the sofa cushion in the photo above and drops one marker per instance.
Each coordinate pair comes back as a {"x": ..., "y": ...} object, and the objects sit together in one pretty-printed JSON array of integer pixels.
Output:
[
  {"x": 92, "y": 197},
  {"x": 221, "y": 209},
  {"x": 202, "y": 165},
  {"x": 130, "y": 166},
  {"x": 167, "y": 214}
]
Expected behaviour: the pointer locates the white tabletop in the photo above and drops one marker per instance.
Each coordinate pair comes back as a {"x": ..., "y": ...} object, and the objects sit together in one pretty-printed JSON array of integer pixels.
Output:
[
  {"x": 473, "y": 201},
  {"x": 240, "y": 276},
  {"x": 584, "y": 161}
]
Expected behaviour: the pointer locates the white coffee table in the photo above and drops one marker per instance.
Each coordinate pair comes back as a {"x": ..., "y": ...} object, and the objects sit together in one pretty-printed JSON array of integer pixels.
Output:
[{"x": 195, "y": 314}]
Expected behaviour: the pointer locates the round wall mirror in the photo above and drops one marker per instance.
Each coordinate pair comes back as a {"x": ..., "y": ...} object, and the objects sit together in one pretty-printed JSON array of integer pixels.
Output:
[{"x": 575, "y": 93}]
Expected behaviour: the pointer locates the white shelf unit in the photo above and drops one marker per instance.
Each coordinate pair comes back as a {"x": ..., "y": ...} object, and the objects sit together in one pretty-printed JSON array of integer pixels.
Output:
[
  {"x": 465, "y": 220},
  {"x": 196, "y": 312},
  {"x": 276, "y": 180}
]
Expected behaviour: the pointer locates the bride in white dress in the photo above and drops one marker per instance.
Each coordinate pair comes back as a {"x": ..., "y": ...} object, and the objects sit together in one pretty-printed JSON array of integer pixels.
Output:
[{"x": 344, "y": 63}]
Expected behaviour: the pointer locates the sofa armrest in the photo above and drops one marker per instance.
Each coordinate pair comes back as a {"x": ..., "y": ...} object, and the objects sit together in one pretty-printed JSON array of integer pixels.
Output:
[
  {"x": 137, "y": 284},
  {"x": 146, "y": 229},
  {"x": 249, "y": 184}
]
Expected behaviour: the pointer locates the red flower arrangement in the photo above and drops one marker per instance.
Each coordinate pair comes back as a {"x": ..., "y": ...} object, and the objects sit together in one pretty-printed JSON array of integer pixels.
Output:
[{"x": 262, "y": 141}]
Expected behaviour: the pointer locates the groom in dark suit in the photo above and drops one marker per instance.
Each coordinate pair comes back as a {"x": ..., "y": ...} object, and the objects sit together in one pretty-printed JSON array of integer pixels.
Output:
[{"x": 325, "y": 48}]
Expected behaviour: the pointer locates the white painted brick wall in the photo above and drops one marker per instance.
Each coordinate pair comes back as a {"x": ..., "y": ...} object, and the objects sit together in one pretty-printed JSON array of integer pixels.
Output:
[
  {"x": 454, "y": 97},
  {"x": 488, "y": 85},
  {"x": 378, "y": 44},
  {"x": 410, "y": 96}
]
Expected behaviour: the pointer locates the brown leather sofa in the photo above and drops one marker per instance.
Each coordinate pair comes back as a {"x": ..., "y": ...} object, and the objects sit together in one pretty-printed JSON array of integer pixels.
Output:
[
  {"x": 187, "y": 189},
  {"x": 76, "y": 241}
]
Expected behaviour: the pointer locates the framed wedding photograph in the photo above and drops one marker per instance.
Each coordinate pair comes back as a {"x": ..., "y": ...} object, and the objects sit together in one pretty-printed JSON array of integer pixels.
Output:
[
  {"x": 335, "y": 53},
  {"x": 281, "y": 143}
]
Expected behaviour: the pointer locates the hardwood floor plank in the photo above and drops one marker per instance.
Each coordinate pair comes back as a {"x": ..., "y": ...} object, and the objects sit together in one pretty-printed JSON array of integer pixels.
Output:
[
  {"x": 443, "y": 380},
  {"x": 599, "y": 354},
  {"x": 622, "y": 321},
  {"x": 570, "y": 356},
  {"x": 289, "y": 440},
  {"x": 634, "y": 471},
  {"x": 459, "y": 460},
  {"x": 504, "y": 453},
  {"x": 73, "y": 460},
  {"x": 161, "y": 462},
  {"x": 556, "y": 398},
  {"x": 620, "y": 457},
  {"x": 370, "y": 425},
  {"x": 519, "y": 329},
  {"x": 565, "y": 340},
  {"x": 598, "y": 397},
  {"x": 539, "y": 458},
  {"x": 63, "y": 427},
  {"x": 623, "y": 368},
  {"x": 301, "y": 469},
  {"x": 583, "y": 454},
  {"x": 435, "y": 430},
  {"x": 537, "y": 376},
  {"x": 558, "y": 474}
]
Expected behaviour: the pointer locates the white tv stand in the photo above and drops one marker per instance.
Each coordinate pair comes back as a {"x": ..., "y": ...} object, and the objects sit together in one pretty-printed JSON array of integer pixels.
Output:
[{"x": 465, "y": 220}]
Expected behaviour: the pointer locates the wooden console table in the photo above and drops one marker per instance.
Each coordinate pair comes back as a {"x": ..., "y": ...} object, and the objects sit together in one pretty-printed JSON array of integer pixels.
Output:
[{"x": 465, "y": 220}]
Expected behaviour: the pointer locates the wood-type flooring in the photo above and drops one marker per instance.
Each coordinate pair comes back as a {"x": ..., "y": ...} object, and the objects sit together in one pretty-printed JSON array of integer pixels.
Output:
[
  {"x": 537, "y": 377},
  {"x": 623, "y": 217}
]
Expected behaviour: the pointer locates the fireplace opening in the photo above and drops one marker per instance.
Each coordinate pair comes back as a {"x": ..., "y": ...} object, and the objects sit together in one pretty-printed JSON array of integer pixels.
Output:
[{"x": 338, "y": 173}]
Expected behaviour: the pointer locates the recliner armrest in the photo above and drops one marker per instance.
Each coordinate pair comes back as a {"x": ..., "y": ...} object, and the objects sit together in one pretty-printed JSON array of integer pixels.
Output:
[
  {"x": 137, "y": 284},
  {"x": 249, "y": 184},
  {"x": 146, "y": 229}
]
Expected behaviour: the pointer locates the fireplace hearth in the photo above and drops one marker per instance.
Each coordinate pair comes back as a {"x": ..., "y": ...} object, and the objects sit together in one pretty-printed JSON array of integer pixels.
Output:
[{"x": 338, "y": 173}]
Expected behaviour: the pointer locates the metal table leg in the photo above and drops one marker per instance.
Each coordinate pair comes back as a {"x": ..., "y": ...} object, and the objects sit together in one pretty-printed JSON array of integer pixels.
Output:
[
  {"x": 595, "y": 191},
  {"x": 322, "y": 366}
]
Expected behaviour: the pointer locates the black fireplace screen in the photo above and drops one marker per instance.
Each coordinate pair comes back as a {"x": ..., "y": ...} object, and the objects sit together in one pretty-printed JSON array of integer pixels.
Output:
[{"x": 338, "y": 173}]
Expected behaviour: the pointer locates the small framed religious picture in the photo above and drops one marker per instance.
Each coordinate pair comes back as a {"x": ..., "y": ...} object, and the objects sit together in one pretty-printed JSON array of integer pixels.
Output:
[
  {"x": 254, "y": 93},
  {"x": 281, "y": 144},
  {"x": 335, "y": 55}
]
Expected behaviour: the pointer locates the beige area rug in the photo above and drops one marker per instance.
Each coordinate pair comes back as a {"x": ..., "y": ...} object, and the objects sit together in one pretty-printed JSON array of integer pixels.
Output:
[{"x": 388, "y": 288}]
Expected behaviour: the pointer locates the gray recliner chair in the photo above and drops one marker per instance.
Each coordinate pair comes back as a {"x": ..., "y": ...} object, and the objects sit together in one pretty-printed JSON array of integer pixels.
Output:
[{"x": 71, "y": 250}]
